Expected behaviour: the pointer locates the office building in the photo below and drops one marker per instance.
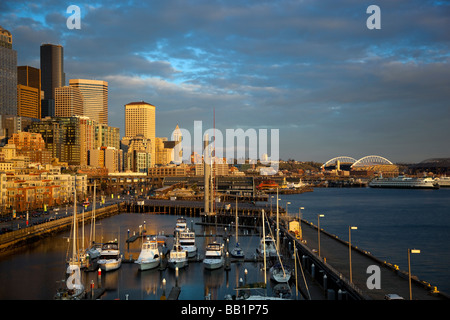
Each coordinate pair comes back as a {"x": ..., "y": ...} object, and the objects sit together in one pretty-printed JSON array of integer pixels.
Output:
[
  {"x": 140, "y": 121},
  {"x": 69, "y": 102},
  {"x": 29, "y": 92},
  {"x": 52, "y": 76},
  {"x": 8, "y": 74},
  {"x": 95, "y": 97}
]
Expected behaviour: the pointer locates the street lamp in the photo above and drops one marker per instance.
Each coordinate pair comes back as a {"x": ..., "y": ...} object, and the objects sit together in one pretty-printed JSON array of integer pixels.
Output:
[
  {"x": 409, "y": 269},
  {"x": 318, "y": 229},
  {"x": 350, "y": 248}
]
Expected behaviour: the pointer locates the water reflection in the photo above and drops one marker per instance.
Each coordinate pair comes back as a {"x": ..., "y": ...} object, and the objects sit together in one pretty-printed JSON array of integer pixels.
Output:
[{"x": 35, "y": 272}]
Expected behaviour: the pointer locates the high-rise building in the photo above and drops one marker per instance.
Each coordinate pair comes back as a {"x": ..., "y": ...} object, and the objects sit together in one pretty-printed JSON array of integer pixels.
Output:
[
  {"x": 8, "y": 74},
  {"x": 52, "y": 69},
  {"x": 140, "y": 120},
  {"x": 95, "y": 97},
  {"x": 28, "y": 92},
  {"x": 69, "y": 102},
  {"x": 52, "y": 76}
]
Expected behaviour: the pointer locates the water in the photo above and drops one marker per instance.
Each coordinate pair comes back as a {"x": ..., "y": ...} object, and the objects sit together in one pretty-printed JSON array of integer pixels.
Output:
[
  {"x": 389, "y": 221},
  {"x": 35, "y": 272}
]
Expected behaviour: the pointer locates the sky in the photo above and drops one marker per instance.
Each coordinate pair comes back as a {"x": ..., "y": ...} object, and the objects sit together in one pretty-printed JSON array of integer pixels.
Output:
[{"x": 311, "y": 69}]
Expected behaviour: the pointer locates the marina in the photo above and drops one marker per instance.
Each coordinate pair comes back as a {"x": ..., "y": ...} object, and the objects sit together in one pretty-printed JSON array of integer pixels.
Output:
[{"x": 195, "y": 282}]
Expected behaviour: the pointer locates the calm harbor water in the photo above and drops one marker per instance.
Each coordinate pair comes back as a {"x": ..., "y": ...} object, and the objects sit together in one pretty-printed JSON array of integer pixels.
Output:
[{"x": 389, "y": 222}]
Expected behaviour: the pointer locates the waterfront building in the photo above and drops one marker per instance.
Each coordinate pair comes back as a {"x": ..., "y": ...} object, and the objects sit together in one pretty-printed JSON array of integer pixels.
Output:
[
  {"x": 24, "y": 192},
  {"x": 69, "y": 102},
  {"x": 138, "y": 153},
  {"x": 107, "y": 136},
  {"x": 95, "y": 97},
  {"x": 8, "y": 74},
  {"x": 140, "y": 121},
  {"x": 29, "y": 92}
]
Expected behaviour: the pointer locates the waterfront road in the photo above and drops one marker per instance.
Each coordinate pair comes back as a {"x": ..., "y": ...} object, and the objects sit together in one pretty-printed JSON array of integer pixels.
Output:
[{"x": 336, "y": 254}]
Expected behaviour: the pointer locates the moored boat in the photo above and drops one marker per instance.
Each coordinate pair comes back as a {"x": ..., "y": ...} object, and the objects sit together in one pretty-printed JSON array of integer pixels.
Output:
[
  {"x": 149, "y": 258},
  {"x": 110, "y": 258},
  {"x": 177, "y": 256},
  {"x": 187, "y": 242},
  {"x": 213, "y": 256}
]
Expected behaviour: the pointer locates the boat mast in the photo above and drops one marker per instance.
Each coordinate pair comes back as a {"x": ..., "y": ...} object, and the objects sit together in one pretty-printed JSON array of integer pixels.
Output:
[
  {"x": 236, "y": 220},
  {"x": 74, "y": 246},
  {"x": 278, "y": 231},
  {"x": 264, "y": 246}
]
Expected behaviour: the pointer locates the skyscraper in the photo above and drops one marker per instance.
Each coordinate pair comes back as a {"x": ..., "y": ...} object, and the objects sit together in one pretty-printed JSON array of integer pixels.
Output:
[
  {"x": 8, "y": 74},
  {"x": 52, "y": 75},
  {"x": 140, "y": 120},
  {"x": 68, "y": 102},
  {"x": 95, "y": 97},
  {"x": 29, "y": 92}
]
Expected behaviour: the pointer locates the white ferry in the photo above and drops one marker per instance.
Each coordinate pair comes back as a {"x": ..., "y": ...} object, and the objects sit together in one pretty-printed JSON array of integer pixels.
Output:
[
  {"x": 404, "y": 182},
  {"x": 443, "y": 182}
]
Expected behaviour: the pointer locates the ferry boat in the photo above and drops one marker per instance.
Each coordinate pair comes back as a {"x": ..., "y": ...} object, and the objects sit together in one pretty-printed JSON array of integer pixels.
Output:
[
  {"x": 149, "y": 257},
  {"x": 177, "y": 256},
  {"x": 271, "y": 249},
  {"x": 187, "y": 242},
  {"x": 110, "y": 258},
  {"x": 443, "y": 182},
  {"x": 404, "y": 182},
  {"x": 213, "y": 256}
]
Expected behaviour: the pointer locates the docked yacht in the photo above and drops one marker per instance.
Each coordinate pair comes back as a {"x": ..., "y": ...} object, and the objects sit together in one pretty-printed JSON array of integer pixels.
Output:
[
  {"x": 269, "y": 243},
  {"x": 187, "y": 242},
  {"x": 177, "y": 256},
  {"x": 180, "y": 225},
  {"x": 110, "y": 258},
  {"x": 213, "y": 256},
  {"x": 149, "y": 257},
  {"x": 404, "y": 182}
]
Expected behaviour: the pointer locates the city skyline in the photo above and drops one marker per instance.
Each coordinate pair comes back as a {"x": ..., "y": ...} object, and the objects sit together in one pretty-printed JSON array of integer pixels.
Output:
[{"x": 313, "y": 70}]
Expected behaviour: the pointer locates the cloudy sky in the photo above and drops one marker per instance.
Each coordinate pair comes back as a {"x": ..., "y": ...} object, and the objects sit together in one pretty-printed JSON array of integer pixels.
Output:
[{"x": 310, "y": 68}]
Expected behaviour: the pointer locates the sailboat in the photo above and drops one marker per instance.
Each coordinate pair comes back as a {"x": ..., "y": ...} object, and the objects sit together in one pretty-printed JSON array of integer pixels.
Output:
[
  {"x": 237, "y": 251},
  {"x": 95, "y": 249},
  {"x": 279, "y": 272},
  {"x": 74, "y": 288},
  {"x": 243, "y": 292}
]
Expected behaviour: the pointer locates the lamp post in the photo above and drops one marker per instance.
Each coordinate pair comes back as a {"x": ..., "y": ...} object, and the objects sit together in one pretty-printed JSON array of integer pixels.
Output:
[
  {"x": 350, "y": 228},
  {"x": 409, "y": 269},
  {"x": 318, "y": 229}
]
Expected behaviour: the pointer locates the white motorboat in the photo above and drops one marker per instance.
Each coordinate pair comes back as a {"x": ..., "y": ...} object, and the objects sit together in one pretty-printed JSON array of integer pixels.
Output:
[
  {"x": 187, "y": 242},
  {"x": 94, "y": 251},
  {"x": 280, "y": 273},
  {"x": 110, "y": 258},
  {"x": 180, "y": 225},
  {"x": 177, "y": 256},
  {"x": 149, "y": 258},
  {"x": 213, "y": 256},
  {"x": 269, "y": 244}
]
